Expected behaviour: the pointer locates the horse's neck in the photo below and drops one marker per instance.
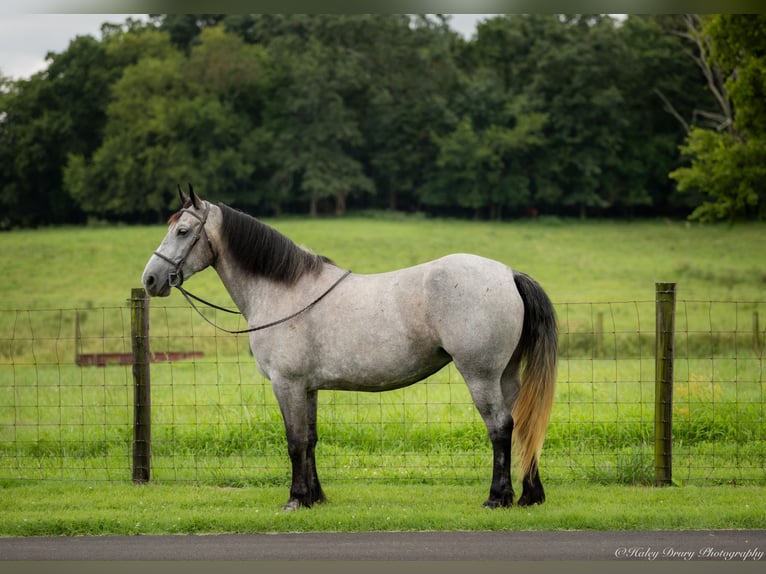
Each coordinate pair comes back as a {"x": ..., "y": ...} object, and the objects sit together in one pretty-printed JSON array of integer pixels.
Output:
[
  {"x": 249, "y": 293},
  {"x": 246, "y": 290},
  {"x": 257, "y": 298},
  {"x": 262, "y": 300}
]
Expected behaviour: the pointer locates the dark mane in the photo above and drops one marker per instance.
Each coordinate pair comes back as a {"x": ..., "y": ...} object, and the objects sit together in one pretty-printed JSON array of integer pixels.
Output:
[{"x": 264, "y": 251}]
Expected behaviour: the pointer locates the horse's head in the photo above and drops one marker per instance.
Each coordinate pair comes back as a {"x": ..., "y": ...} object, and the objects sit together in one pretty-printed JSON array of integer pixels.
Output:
[{"x": 180, "y": 255}]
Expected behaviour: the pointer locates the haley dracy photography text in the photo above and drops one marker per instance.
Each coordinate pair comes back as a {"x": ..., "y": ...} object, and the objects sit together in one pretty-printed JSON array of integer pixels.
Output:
[{"x": 671, "y": 553}]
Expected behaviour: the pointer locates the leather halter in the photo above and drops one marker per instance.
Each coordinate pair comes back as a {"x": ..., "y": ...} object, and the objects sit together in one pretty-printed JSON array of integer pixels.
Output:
[{"x": 176, "y": 277}]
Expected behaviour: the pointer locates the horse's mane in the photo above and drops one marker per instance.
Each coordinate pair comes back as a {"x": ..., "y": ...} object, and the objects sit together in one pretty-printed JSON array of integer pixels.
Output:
[{"x": 264, "y": 251}]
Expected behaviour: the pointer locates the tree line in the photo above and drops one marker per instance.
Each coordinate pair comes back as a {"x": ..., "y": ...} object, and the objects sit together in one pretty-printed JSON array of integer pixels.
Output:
[{"x": 574, "y": 115}]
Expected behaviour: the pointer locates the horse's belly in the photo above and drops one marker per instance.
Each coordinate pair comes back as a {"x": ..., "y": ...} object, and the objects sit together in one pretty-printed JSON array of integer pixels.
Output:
[
  {"x": 381, "y": 374},
  {"x": 360, "y": 355}
]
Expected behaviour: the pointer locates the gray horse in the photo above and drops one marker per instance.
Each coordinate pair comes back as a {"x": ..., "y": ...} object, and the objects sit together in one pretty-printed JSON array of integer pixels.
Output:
[{"x": 324, "y": 328}]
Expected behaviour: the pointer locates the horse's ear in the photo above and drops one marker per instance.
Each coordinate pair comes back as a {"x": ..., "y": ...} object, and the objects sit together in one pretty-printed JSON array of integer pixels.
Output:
[
  {"x": 196, "y": 201},
  {"x": 184, "y": 198}
]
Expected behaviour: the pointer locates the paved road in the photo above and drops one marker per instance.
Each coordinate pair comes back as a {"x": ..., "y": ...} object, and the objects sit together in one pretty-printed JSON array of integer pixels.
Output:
[{"x": 734, "y": 545}]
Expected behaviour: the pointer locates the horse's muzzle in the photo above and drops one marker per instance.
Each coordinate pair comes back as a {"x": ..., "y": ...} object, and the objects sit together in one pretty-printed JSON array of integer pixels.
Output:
[{"x": 156, "y": 288}]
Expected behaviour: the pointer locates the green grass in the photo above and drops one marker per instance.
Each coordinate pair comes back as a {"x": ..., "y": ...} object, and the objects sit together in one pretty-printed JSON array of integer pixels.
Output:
[
  {"x": 218, "y": 422},
  {"x": 219, "y": 455},
  {"x": 98, "y": 509},
  {"x": 574, "y": 261}
]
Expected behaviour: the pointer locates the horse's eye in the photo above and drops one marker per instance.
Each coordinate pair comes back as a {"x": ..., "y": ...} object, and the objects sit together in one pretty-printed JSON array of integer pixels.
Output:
[{"x": 182, "y": 231}]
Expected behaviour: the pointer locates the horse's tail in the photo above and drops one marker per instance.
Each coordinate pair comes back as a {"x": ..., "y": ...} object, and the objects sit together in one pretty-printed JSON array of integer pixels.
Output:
[{"x": 539, "y": 351}]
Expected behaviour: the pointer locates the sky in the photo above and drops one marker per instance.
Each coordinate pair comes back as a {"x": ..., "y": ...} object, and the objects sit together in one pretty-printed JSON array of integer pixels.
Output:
[{"x": 25, "y": 39}]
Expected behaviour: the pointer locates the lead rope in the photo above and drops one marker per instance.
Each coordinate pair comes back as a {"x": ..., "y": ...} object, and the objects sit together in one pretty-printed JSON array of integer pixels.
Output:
[{"x": 188, "y": 296}]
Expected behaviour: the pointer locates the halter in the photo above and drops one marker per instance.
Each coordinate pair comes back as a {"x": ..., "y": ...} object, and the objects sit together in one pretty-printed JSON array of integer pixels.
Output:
[
  {"x": 176, "y": 279},
  {"x": 176, "y": 276}
]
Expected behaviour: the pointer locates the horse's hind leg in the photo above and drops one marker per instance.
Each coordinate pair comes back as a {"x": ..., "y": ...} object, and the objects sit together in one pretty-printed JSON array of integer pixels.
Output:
[
  {"x": 501, "y": 490},
  {"x": 532, "y": 492},
  {"x": 488, "y": 398}
]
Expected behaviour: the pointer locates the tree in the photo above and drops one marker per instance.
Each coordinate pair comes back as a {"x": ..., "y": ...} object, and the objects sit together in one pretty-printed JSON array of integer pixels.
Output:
[
  {"x": 578, "y": 84},
  {"x": 567, "y": 113},
  {"x": 728, "y": 163},
  {"x": 315, "y": 125},
  {"x": 184, "y": 29},
  {"x": 484, "y": 168},
  {"x": 731, "y": 170},
  {"x": 57, "y": 111},
  {"x": 174, "y": 119},
  {"x": 406, "y": 99},
  {"x": 739, "y": 46}
]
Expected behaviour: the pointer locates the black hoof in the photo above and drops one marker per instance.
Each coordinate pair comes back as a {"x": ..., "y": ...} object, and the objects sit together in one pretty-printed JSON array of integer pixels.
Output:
[
  {"x": 532, "y": 491},
  {"x": 296, "y": 503},
  {"x": 536, "y": 496},
  {"x": 504, "y": 501}
]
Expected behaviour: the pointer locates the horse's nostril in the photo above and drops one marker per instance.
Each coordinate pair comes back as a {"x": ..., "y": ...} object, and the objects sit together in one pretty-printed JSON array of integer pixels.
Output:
[{"x": 150, "y": 280}]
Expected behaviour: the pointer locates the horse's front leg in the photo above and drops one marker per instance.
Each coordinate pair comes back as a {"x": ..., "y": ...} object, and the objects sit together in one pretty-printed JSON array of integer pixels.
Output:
[
  {"x": 317, "y": 494},
  {"x": 293, "y": 402}
]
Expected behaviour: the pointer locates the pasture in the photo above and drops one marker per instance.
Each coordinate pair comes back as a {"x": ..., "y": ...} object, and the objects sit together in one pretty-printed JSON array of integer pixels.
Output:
[
  {"x": 573, "y": 260},
  {"x": 217, "y": 424}
]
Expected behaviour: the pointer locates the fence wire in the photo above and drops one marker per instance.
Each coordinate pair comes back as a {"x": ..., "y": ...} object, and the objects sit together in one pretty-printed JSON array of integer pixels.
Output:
[{"x": 66, "y": 403}]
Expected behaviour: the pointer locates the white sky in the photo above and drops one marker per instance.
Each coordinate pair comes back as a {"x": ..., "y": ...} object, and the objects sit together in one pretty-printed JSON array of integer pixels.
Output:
[{"x": 25, "y": 39}]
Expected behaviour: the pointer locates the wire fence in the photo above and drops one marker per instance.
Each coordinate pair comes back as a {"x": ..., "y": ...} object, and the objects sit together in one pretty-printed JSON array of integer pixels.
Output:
[{"x": 67, "y": 403}]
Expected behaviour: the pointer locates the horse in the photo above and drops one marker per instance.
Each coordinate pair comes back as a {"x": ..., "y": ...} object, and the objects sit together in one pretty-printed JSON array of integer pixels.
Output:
[{"x": 324, "y": 327}]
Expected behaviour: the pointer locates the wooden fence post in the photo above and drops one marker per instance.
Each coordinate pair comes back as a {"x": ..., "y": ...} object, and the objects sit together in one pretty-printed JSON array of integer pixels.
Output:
[
  {"x": 142, "y": 422},
  {"x": 599, "y": 335},
  {"x": 663, "y": 383}
]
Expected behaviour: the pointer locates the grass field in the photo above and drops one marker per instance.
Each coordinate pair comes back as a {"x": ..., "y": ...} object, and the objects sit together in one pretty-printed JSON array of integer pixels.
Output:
[
  {"x": 216, "y": 424},
  {"x": 94, "y": 509},
  {"x": 574, "y": 261}
]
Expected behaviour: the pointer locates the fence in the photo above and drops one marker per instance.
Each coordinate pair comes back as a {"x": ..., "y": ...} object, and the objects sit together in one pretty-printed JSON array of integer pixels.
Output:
[{"x": 70, "y": 408}]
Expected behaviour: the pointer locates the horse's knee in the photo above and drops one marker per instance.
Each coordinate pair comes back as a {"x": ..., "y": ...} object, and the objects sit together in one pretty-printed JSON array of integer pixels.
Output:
[{"x": 297, "y": 443}]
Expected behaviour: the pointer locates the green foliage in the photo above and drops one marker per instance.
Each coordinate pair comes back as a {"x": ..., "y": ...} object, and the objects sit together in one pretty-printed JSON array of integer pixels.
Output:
[
  {"x": 173, "y": 119},
  {"x": 44, "y": 118},
  {"x": 482, "y": 169},
  {"x": 730, "y": 170},
  {"x": 321, "y": 113},
  {"x": 729, "y": 165},
  {"x": 739, "y": 44}
]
